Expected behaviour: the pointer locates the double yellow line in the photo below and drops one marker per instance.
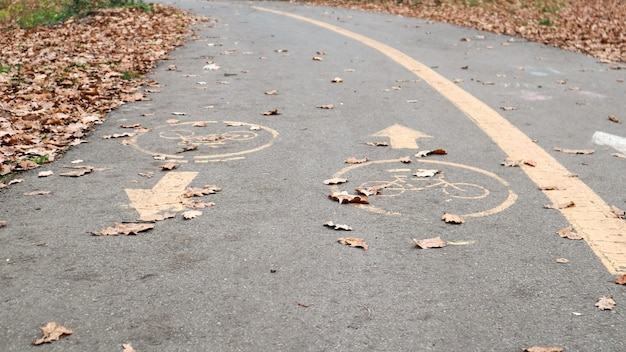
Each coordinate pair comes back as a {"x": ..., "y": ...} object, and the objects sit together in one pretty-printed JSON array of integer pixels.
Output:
[{"x": 591, "y": 216}]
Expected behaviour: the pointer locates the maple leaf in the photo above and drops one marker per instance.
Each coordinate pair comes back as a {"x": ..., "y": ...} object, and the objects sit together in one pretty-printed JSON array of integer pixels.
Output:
[
  {"x": 543, "y": 349},
  {"x": 270, "y": 112},
  {"x": 190, "y": 214},
  {"x": 196, "y": 204},
  {"x": 371, "y": 191},
  {"x": 45, "y": 173},
  {"x": 452, "y": 218},
  {"x": 131, "y": 228},
  {"x": 354, "y": 160},
  {"x": 169, "y": 166},
  {"x": 574, "y": 151},
  {"x": 52, "y": 332},
  {"x": 335, "y": 181},
  {"x": 560, "y": 205},
  {"x": 353, "y": 242},
  {"x": 344, "y": 198},
  {"x": 568, "y": 232},
  {"x": 621, "y": 280},
  {"x": 435, "y": 242},
  {"x": 337, "y": 226},
  {"x": 605, "y": 303}
]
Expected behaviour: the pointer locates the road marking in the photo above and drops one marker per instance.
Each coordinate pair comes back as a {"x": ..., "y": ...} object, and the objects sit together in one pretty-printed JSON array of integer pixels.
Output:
[
  {"x": 616, "y": 142},
  {"x": 401, "y": 137},
  {"x": 163, "y": 197},
  {"x": 591, "y": 217}
]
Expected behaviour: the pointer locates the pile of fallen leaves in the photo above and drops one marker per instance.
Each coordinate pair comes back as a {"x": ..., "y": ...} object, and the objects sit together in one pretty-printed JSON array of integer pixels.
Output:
[
  {"x": 597, "y": 28},
  {"x": 57, "y": 81}
]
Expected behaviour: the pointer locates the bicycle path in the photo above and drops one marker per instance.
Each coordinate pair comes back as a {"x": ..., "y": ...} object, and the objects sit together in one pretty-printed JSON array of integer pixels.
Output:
[{"x": 258, "y": 270}]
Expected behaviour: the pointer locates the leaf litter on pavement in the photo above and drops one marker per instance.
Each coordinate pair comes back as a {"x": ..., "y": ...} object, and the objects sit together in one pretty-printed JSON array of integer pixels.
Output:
[{"x": 52, "y": 332}]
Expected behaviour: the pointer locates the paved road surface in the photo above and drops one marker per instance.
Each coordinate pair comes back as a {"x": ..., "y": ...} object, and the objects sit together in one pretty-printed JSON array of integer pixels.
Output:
[{"x": 258, "y": 271}]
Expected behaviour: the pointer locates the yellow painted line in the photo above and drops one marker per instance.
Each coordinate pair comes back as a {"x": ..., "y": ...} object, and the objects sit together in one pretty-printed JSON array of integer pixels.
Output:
[
  {"x": 591, "y": 217},
  {"x": 163, "y": 197}
]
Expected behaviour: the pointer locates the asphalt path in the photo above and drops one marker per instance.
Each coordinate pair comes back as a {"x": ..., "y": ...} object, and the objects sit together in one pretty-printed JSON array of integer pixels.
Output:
[{"x": 259, "y": 271}]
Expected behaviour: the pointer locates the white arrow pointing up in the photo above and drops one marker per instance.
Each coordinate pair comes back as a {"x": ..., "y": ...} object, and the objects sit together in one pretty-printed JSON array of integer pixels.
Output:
[
  {"x": 401, "y": 137},
  {"x": 163, "y": 197}
]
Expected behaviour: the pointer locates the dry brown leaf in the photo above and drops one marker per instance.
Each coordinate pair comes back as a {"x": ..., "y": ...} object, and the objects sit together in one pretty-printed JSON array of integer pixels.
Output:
[
  {"x": 187, "y": 148},
  {"x": 190, "y": 214},
  {"x": 317, "y": 58},
  {"x": 515, "y": 163},
  {"x": 354, "y": 160},
  {"x": 345, "y": 198},
  {"x": 605, "y": 303},
  {"x": 3, "y": 223},
  {"x": 131, "y": 228},
  {"x": 198, "y": 124},
  {"x": 619, "y": 155},
  {"x": 281, "y": 50},
  {"x": 327, "y": 106},
  {"x": 196, "y": 204},
  {"x": 552, "y": 188},
  {"x": 575, "y": 151},
  {"x": 543, "y": 349},
  {"x": 271, "y": 92},
  {"x": 562, "y": 260},
  {"x": 52, "y": 332},
  {"x": 342, "y": 227},
  {"x": 270, "y": 112},
  {"x": 561, "y": 205},
  {"x": 508, "y": 108},
  {"x": 425, "y": 153},
  {"x": 199, "y": 192},
  {"x": 489, "y": 83},
  {"x": 353, "y": 242},
  {"x": 371, "y": 191},
  {"x": 618, "y": 212},
  {"x": 120, "y": 135},
  {"x": 157, "y": 217},
  {"x": 568, "y": 232},
  {"x": 452, "y": 218},
  {"x": 169, "y": 166},
  {"x": 377, "y": 144},
  {"x": 336, "y": 80},
  {"x": 426, "y": 173},
  {"x": 45, "y": 173},
  {"x": 146, "y": 174},
  {"x": 136, "y": 125},
  {"x": 335, "y": 181},
  {"x": 77, "y": 173},
  {"x": 405, "y": 160},
  {"x": 435, "y": 242},
  {"x": 321, "y": 52},
  {"x": 172, "y": 121},
  {"x": 621, "y": 280},
  {"x": 37, "y": 193},
  {"x": 126, "y": 347},
  {"x": 614, "y": 119}
]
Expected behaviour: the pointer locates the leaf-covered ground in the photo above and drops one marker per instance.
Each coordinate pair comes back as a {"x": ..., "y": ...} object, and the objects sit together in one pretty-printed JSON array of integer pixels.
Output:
[
  {"x": 56, "y": 82},
  {"x": 597, "y": 27}
]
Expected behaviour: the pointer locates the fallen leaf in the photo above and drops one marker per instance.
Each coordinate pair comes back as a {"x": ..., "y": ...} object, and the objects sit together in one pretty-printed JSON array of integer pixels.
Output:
[
  {"x": 435, "y": 242},
  {"x": 119, "y": 135},
  {"x": 336, "y": 80},
  {"x": 618, "y": 212},
  {"x": 405, "y": 160},
  {"x": 335, "y": 181},
  {"x": 37, "y": 193},
  {"x": 270, "y": 112},
  {"x": 562, "y": 260},
  {"x": 196, "y": 204},
  {"x": 211, "y": 67},
  {"x": 614, "y": 119},
  {"x": 452, "y": 218},
  {"x": 281, "y": 50},
  {"x": 353, "y": 242},
  {"x": 337, "y": 226},
  {"x": 354, "y": 160},
  {"x": 619, "y": 155},
  {"x": 52, "y": 332},
  {"x": 169, "y": 166},
  {"x": 561, "y": 205},
  {"x": 508, "y": 108},
  {"x": 377, "y": 144},
  {"x": 171, "y": 68},
  {"x": 489, "y": 83},
  {"x": 15, "y": 180},
  {"x": 321, "y": 52},
  {"x": 199, "y": 192},
  {"x": 187, "y": 148},
  {"x": 605, "y": 303},
  {"x": 561, "y": 81},
  {"x": 574, "y": 151},
  {"x": 371, "y": 191},
  {"x": 621, "y": 280},
  {"x": 136, "y": 125},
  {"x": 131, "y": 228},
  {"x": 426, "y": 173},
  {"x": 271, "y": 92},
  {"x": 344, "y": 198},
  {"x": 317, "y": 58},
  {"x": 425, "y": 153},
  {"x": 126, "y": 347},
  {"x": 552, "y": 188},
  {"x": 77, "y": 173},
  {"x": 458, "y": 80},
  {"x": 198, "y": 124},
  {"x": 516, "y": 163},
  {"x": 190, "y": 214},
  {"x": 543, "y": 349},
  {"x": 327, "y": 107},
  {"x": 3, "y": 223},
  {"x": 45, "y": 173},
  {"x": 568, "y": 232},
  {"x": 303, "y": 304},
  {"x": 172, "y": 121}
]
